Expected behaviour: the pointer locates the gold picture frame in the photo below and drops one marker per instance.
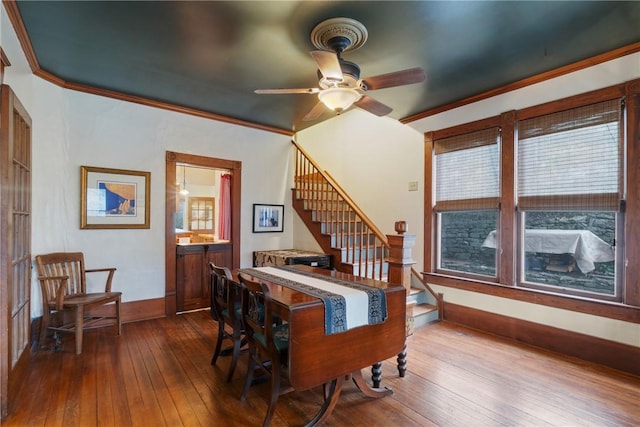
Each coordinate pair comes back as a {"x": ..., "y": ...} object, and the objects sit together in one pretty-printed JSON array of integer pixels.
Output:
[{"x": 114, "y": 198}]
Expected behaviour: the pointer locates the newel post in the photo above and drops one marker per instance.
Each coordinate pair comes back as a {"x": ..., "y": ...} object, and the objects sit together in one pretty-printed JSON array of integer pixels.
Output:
[{"x": 400, "y": 261}]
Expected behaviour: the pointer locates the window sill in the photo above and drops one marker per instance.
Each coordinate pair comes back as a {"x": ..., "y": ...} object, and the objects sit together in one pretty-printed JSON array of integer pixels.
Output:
[{"x": 608, "y": 309}]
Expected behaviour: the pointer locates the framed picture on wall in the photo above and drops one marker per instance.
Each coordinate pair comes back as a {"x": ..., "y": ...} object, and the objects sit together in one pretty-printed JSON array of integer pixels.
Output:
[
  {"x": 268, "y": 218},
  {"x": 114, "y": 198}
]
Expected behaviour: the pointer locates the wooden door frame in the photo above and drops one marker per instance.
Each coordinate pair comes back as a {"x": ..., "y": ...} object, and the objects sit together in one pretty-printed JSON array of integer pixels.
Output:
[{"x": 172, "y": 159}]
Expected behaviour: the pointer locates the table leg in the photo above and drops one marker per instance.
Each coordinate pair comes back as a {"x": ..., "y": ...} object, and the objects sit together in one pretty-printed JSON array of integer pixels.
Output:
[
  {"x": 376, "y": 374},
  {"x": 402, "y": 361},
  {"x": 362, "y": 385},
  {"x": 331, "y": 395}
]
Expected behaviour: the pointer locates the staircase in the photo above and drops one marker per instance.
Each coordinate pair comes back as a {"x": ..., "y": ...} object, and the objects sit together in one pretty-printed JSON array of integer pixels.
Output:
[{"x": 342, "y": 230}]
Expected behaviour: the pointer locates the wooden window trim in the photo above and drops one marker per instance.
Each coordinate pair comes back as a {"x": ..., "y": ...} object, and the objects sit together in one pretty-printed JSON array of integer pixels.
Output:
[{"x": 629, "y": 308}]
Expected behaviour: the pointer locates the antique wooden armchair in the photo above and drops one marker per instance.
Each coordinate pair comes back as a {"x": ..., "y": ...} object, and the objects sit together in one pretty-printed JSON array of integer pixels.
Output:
[
  {"x": 65, "y": 301},
  {"x": 225, "y": 309},
  {"x": 268, "y": 339}
]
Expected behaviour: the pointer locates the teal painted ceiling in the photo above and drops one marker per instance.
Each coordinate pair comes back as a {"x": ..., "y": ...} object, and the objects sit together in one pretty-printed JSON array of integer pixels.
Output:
[{"x": 211, "y": 55}]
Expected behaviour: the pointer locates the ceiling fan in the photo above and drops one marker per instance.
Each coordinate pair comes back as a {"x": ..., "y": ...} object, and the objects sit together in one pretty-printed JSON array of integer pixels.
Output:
[{"x": 340, "y": 85}]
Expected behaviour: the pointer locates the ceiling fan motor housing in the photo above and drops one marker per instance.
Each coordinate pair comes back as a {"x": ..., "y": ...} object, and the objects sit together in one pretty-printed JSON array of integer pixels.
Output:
[
  {"x": 338, "y": 44},
  {"x": 350, "y": 73}
]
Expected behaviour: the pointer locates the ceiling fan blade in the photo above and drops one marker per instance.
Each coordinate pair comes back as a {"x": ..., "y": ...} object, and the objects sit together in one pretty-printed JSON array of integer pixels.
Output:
[
  {"x": 373, "y": 106},
  {"x": 398, "y": 78},
  {"x": 328, "y": 64},
  {"x": 280, "y": 91},
  {"x": 315, "y": 112}
]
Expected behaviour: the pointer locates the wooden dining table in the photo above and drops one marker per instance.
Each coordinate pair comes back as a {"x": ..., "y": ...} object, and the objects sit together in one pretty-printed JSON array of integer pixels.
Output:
[{"x": 320, "y": 359}]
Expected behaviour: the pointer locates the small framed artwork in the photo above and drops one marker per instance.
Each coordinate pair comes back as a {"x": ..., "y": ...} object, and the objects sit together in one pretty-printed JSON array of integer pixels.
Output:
[
  {"x": 267, "y": 218},
  {"x": 114, "y": 198}
]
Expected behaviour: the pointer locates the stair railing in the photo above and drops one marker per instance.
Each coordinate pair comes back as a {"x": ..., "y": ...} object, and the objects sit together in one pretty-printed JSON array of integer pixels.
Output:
[
  {"x": 363, "y": 244},
  {"x": 319, "y": 189}
]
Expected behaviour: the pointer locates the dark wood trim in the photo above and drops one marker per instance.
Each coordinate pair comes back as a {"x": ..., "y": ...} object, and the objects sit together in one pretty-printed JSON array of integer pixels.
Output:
[
  {"x": 632, "y": 206},
  {"x": 611, "y": 310},
  {"x": 6, "y": 294},
  {"x": 505, "y": 255},
  {"x": 429, "y": 254},
  {"x": 11, "y": 7},
  {"x": 571, "y": 68},
  {"x": 4, "y": 62},
  {"x": 593, "y": 349},
  {"x": 464, "y": 128},
  {"x": 133, "y": 311},
  {"x": 165, "y": 106},
  {"x": 170, "y": 204},
  {"x": 592, "y": 97},
  {"x": 23, "y": 37}
]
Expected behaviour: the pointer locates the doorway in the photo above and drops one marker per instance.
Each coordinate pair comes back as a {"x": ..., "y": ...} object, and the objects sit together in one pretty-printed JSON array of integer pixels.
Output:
[{"x": 188, "y": 250}]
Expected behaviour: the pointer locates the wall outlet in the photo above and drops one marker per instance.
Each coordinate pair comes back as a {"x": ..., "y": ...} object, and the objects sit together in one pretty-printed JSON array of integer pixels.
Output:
[{"x": 413, "y": 185}]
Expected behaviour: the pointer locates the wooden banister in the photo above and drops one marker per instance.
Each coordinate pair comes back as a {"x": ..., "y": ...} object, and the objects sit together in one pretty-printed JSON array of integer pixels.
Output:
[{"x": 351, "y": 229}]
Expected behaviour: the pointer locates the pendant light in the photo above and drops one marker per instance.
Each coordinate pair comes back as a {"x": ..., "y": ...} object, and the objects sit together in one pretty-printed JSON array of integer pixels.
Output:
[{"x": 184, "y": 192}]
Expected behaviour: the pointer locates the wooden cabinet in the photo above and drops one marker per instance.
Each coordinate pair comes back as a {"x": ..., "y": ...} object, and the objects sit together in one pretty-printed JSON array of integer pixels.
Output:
[{"x": 193, "y": 288}]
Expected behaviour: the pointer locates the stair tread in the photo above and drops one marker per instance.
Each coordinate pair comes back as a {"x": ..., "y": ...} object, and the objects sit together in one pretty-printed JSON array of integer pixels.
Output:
[{"x": 423, "y": 309}]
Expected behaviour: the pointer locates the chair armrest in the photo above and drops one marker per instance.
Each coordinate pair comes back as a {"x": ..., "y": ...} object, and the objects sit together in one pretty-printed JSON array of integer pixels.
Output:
[
  {"x": 111, "y": 270},
  {"x": 59, "y": 292}
]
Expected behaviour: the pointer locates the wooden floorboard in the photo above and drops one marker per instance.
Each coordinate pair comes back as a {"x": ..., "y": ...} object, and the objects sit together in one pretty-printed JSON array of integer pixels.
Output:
[{"x": 158, "y": 373}]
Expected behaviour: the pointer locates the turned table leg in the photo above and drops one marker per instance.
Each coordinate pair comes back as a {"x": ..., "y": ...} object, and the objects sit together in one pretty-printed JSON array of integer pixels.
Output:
[
  {"x": 376, "y": 374},
  {"x": 402, "y": 361}
]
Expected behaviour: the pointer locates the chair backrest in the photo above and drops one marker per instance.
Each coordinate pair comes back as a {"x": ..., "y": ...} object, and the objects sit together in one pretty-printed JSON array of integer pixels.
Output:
[
  {"x": 55, "y": 266},
  {"x": 257, "y": 315},
  {"x": 225, "y": 294}
]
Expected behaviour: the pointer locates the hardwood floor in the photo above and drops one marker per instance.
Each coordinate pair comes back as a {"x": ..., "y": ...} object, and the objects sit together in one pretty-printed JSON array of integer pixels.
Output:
[{"x": 158, "y": 374}]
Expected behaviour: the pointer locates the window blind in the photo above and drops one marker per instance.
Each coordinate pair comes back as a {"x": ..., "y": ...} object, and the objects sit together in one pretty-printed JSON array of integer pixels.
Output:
[
  {"x": 468, "y": 171},
  {"x": 571, "y": 160}
]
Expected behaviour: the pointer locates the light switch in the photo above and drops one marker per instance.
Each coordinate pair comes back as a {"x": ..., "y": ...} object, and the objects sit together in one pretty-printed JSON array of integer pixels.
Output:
[{"x": 413, "y": 185}]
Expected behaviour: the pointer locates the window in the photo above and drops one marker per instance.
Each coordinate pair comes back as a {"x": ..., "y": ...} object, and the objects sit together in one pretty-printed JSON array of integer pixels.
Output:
[
  {"x": 569, "y": 196},
  {"x": 467, "y": 177}
]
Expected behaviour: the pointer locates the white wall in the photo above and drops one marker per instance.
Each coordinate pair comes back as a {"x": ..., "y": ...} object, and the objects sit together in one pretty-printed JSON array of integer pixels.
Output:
[
  {"x": 394, "y": 155},
  {"x": 71, "y": 129}
]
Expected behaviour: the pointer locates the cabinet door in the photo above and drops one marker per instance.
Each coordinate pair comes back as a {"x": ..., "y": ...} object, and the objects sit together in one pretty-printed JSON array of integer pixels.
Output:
[
  {"x": 192, "y": 291},
  {"x": 220, "y": 255}
]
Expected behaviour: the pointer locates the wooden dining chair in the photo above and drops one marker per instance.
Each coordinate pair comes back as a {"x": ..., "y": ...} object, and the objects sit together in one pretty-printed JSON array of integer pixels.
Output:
[
  {"x": 225, "y": 309},
  {"x": 268, "y": 340},
  {"x": 65, "y": 302}
]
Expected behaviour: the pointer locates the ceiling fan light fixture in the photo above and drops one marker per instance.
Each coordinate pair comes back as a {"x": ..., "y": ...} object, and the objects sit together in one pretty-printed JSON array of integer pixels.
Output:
[{"x": 339, "y": 99}]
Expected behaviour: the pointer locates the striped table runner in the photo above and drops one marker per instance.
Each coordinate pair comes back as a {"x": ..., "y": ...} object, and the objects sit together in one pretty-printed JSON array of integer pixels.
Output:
[{"x": 347, "y": 304}]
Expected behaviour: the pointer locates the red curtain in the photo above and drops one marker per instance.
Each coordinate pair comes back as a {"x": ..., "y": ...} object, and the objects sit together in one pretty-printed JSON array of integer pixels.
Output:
[{"x": 224, "y": 220}]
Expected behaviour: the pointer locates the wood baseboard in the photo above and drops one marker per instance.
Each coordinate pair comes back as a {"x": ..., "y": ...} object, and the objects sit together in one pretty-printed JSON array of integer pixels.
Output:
[
  {"x": 132, "y": 311},
  {"x": 593, "y": 349}
]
